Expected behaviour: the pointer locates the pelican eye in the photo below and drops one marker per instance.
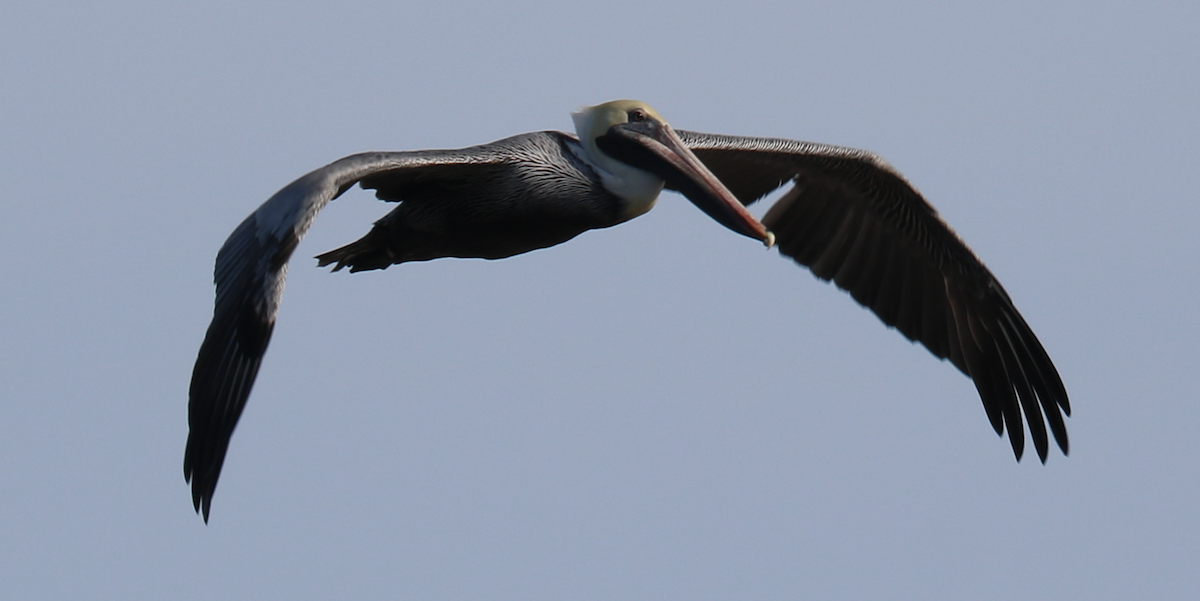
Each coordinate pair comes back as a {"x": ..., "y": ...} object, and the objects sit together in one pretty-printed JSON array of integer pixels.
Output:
[{"x": 637, "y": 116}]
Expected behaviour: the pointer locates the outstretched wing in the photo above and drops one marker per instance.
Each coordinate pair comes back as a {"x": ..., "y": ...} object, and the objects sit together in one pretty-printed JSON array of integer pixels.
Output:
[
  {"x": 249, "y": 276},
  {"x": 853, "y": 219}
]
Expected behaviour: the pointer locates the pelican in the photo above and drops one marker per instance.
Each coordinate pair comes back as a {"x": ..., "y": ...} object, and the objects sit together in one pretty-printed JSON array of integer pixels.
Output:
[{"x": 849, "y": 217}]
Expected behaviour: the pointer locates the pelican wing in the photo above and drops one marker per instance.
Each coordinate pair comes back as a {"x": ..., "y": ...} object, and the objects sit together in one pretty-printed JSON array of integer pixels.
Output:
[
  {"x": 249, "y": 277},
  {"x": 853, "y": 219}
]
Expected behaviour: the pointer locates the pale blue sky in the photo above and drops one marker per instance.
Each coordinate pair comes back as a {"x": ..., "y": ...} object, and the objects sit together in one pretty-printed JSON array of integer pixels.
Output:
[{"x": 662, "y": 410}]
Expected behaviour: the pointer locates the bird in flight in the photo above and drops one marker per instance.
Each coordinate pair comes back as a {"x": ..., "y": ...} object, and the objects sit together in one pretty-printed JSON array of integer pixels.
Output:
[{"x": 848, "y": 216}]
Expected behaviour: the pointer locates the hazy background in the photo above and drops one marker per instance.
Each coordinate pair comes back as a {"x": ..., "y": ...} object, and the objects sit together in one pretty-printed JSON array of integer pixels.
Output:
[{"x": 663, "y": 410}]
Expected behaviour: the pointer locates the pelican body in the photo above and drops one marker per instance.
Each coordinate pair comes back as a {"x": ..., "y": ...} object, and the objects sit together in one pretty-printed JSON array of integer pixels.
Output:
[{"x": 849, "y": 217}]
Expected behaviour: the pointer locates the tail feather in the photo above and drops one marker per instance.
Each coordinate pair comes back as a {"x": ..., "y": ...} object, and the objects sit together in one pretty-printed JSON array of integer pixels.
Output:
[{"x": 364, "y": 254}]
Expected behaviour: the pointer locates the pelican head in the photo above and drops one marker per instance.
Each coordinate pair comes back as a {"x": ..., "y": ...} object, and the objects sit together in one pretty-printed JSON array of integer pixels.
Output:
[{"x": 637, "y": 153}]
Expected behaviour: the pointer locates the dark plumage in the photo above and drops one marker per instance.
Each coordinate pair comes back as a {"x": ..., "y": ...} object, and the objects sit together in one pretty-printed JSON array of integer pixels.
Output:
[
  {"x": 850, "y": 218},
  {"x": 485, "y": 209}
]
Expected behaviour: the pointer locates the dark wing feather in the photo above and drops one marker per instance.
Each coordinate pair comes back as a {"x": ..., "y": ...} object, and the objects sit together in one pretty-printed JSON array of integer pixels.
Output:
[
  {"x": 249, "y": 277},
  {"x": 853, "y": 219}
]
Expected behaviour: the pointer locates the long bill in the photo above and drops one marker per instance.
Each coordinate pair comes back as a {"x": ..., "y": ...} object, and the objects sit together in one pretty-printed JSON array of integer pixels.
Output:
[{"x": 654, "y": 147}]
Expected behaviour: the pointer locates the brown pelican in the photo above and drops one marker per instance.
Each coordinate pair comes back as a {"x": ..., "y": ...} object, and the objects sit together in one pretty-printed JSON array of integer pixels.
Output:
[{"x": 849, "y": 217}]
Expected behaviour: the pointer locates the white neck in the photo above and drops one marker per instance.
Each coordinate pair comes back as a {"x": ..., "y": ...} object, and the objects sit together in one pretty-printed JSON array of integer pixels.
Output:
[{"x": 638, "y": 188}]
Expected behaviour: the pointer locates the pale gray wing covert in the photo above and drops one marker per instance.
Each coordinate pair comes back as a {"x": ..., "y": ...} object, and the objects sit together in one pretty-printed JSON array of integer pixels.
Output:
[{"x": 853, "y": 219}]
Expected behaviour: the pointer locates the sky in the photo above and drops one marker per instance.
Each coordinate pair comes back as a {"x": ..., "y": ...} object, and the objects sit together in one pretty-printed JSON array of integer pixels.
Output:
[{"x": 661, "y": 410}]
